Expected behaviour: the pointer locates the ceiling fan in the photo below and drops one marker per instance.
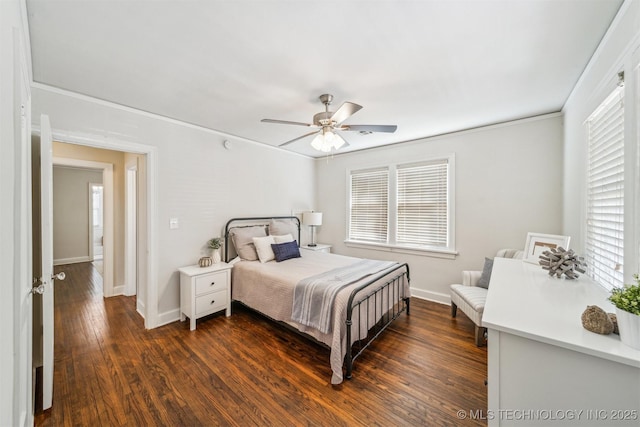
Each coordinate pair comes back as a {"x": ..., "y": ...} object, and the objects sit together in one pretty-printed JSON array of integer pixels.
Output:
[{"x": 327, "y": 123}]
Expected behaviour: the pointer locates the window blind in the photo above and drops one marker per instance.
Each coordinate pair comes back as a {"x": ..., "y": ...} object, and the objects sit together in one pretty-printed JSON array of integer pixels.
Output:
[
  {"x": 422, "y": 204},
  {"x": 369, "y": 205},
  {"x": 605, "y": 192}
]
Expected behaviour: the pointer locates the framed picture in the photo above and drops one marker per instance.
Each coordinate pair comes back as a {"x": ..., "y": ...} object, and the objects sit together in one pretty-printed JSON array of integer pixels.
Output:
[{"x": 538, "y": 243}]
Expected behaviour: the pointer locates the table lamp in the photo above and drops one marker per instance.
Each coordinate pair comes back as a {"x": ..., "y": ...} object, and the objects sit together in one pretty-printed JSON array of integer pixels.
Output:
[{"x": 312, "y": 219}]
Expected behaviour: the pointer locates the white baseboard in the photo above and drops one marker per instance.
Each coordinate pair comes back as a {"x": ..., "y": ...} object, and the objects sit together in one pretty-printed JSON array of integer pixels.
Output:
[
  {"x": 124, "y": 291},
  {"x": 431, "y": 296},
  {"x": 168, "y": 317},
  {"x": 118, "y": 290},
  {"x": 140, "y": 307},
  {"x": 74, "y": 260}
]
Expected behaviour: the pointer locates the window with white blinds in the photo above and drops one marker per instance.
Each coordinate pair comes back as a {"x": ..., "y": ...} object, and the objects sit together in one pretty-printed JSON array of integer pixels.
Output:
[
  {"x": 605, "y": 192},
  {"x": 368, "y": 219},
  {"x": 422, "y": 213},
  {"x": 404, "y": 206}
]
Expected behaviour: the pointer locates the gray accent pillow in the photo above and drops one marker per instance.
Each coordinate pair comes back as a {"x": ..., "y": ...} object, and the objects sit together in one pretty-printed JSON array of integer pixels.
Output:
[
  {"x": 280, "y": 227},
  {"x": 485, "y": 277},
  {"x": 242, "y": 238}
]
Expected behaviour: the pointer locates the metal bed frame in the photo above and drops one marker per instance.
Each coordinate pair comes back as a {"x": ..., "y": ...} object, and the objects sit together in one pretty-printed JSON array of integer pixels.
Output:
[{"x": 396, "y": 300}]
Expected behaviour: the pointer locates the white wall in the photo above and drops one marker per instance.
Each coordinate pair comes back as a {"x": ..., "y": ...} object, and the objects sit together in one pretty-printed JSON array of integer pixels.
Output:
[
  {"x": 198, "y": 180},
  {"x": 508, "y": 181},
  {"x": 71, "y": 213},
  {"x": 619, "y": 51}
]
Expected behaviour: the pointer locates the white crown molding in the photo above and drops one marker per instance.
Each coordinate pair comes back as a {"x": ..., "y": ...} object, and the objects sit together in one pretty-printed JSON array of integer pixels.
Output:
[
  {"x": 624, "y": 8},
  {"x": 154, "y": 116},
  {"x": 476, "y": 129}
]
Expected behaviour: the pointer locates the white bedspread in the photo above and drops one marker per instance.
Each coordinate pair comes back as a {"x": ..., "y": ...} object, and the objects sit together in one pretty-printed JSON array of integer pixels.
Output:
[{"x": 268, "y": 288}]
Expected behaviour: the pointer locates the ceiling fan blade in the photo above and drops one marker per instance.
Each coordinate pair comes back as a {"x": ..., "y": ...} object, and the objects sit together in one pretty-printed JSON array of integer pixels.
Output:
[
  {"x": 286, "y": 122},
  {"x": 370, "y": 128},
  {"x": 346, "y": 110},
  {"x": 300, "y": 137}
]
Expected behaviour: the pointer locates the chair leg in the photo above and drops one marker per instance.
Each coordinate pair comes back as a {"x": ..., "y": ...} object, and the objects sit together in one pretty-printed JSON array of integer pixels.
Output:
[
  {"x": 480, "y": 340},
  {"x": 454, "y": 310}
]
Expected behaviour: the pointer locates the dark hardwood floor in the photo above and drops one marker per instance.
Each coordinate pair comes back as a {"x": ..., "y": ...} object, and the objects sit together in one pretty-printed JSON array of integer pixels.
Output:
[{"x": 246, "y": 370}]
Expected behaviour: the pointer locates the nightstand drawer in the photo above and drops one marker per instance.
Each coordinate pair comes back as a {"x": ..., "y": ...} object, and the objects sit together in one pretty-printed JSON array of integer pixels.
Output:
[
  {"x": 211, "y": 282},
  {"x": 213, "y": 302}
]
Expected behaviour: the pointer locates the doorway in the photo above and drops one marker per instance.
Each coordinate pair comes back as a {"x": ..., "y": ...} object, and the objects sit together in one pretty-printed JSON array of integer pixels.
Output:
[
  {"x": 108, "y": 225},
  {"x": 147, "y": 291}
]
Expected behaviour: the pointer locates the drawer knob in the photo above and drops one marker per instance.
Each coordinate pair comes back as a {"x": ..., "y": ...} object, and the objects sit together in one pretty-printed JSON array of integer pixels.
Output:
[
  {"x": 213, "y": 301},
  {"x": 213, "y": 283}
]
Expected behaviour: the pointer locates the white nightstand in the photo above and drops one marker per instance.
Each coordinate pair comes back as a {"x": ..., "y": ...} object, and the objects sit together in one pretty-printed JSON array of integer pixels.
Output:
[
  {"x": 204, "y": 291},
  {"x": 318, "y": 248}
]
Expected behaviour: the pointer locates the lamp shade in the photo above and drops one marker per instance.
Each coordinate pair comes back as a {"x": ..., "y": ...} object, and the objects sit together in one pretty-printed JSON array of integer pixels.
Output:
[
  {"x": 312, "y": 218},
  {"x": 327, "y": 141}
]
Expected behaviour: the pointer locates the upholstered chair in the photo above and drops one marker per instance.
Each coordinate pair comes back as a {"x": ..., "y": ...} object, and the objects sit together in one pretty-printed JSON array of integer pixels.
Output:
[{"x": 471, "y": 295}]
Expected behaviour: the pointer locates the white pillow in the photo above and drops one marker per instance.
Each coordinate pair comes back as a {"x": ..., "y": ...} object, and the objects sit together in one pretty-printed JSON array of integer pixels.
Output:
[
  {"x": 284, "y": 238},
  {"x": 263, "y": 247}
]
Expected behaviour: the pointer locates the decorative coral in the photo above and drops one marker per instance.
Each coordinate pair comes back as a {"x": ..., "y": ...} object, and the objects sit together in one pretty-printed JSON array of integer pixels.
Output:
[{"x": 560, "y": 261}]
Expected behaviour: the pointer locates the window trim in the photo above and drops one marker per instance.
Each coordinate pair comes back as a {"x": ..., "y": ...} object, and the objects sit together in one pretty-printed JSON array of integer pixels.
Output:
[
  {"x": 448, "y": 252},
  {"x": 386, "y": 247}
]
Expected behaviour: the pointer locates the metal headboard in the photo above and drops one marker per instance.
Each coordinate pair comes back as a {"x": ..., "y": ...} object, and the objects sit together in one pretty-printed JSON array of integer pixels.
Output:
[{"x": 263, "y": 220}]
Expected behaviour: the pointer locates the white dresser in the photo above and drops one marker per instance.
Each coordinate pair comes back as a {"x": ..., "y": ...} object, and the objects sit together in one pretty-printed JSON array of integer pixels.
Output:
[
  {"x": 204, "y": 291},
  {"x": 543, "y": 366}
]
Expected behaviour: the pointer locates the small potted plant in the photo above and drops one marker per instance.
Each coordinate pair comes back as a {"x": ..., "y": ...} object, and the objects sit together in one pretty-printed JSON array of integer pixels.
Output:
[
  {"x": 627, "y": 302},
  {"x": 215, "y": 244}
]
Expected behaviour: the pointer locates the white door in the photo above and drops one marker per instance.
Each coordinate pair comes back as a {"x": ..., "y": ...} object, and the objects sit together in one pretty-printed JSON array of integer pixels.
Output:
[
  {"x": 96, "y": 194},
  {"x": 131, "y": 233},
  {"x": 46, "y": 218},
  {"x": 17, "y": 266}
]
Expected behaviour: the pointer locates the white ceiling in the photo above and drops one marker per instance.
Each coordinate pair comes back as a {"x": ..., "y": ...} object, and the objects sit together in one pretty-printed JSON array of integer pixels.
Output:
[{"x": 430, "y": 67}]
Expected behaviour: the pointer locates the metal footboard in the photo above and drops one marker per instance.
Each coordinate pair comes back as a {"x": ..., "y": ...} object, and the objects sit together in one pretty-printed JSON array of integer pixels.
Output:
[{"x": 385, "y": 304}]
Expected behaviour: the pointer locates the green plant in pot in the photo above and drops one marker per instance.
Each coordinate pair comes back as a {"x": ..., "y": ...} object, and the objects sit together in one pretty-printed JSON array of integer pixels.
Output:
[
  {"x": 215, "y": 244},
  {"x": 627, "y": 302}
]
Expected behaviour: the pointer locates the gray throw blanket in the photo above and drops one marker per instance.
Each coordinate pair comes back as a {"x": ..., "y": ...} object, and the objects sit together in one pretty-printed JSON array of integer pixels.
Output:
[{"x": 313, "y": 297}]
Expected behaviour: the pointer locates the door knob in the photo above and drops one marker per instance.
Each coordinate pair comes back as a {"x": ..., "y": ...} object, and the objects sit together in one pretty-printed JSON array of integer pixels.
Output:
[{"x": 38, "y": 289}]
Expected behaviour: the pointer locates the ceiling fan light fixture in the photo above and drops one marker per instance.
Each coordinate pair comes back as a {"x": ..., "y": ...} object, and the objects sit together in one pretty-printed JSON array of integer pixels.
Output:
[
  {"x": 326, "y": 141},
  {"x": 327, "y": 122},
  {"x": 337, "y": 141}
]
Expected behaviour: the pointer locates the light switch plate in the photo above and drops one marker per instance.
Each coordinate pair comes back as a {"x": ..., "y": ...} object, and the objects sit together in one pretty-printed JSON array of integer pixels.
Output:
[{"x": 173, "y": 223}]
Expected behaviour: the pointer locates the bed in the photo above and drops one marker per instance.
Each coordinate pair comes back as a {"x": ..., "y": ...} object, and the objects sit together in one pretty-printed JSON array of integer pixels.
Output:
[{"x": 272, "y": 276}]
